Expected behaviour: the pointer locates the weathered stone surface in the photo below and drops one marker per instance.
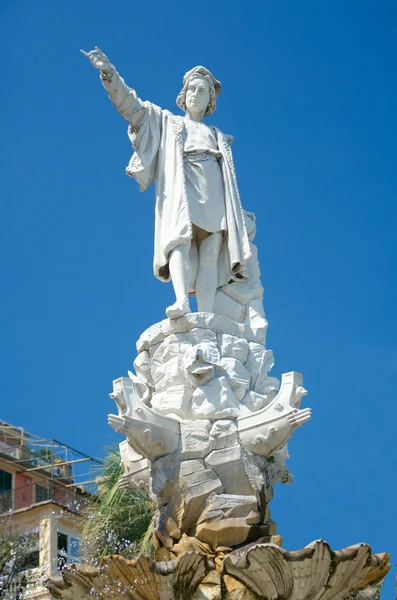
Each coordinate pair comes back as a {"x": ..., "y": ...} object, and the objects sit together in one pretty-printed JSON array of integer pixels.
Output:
[
  {"x": 229, "y": 307},
  {"x": 237, "y": 375},
  {"x": 229, "y": 467},
  {"x": 233, "y": 347},
  {"x": 260, "y": 571},
  {"x": 196, "y": 483},
  {"x": 259, "y": 363},
  {"x": 227, "y": 532},
  {"x": 234, "y": 590},
  {"x": 256, "y": 320},
  {"x": 176, "y": 400},
  {"x": 136, "y": 468},
  {"x": 209, "y": 588},
  {"x": 223, "y": 434},
  {"x": 143, "y": 579},
  {"x": 164, "y": 478},
  {"x": 166, "y": 529},
  {"x": 220, "y": 506},
  {"x": 314, "y": 571},
  {"x": 195, "y": 439},
  {"x": 255, "y": 402},
  {"x": 215, "y": 400},
  {"x": 142, "y": 366},
  {"x": 190, "y": 544}
]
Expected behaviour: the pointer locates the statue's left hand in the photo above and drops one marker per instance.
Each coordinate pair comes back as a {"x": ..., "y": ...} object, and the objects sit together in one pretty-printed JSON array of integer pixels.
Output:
[{"x": 99, "y": 60}]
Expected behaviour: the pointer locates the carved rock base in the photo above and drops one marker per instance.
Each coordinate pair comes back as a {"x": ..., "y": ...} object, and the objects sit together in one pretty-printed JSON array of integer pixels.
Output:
[{"x": 257, "y": 571}]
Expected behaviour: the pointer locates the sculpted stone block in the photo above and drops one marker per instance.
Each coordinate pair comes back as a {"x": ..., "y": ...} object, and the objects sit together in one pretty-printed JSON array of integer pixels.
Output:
[
  {"x": 238, "y": 375},
  {"x": 223, "y": 434},
  {"x": 142, "y": 367},
  {"x": 228, "y": 532},
  {"x": 215, "y": 400},
  {"x": 195, "y": 439},
  {"x": 171, "y": 373},
  {"x": 229, "y": 467},
  {"x": 164, "y": 478},
  {"x": 231, "y": 308},
  {"x": 255, "y": 319},
  {"x": 233, "y": 347},
  {"x": 219, "y": 506},
  {"x": 196, "y": 483},
  {"x": 176, "y": 400},
  {"x": 239, "y": 290},
  {"x": 166, "y": 529},
  {"x": 136, "y": 468}
]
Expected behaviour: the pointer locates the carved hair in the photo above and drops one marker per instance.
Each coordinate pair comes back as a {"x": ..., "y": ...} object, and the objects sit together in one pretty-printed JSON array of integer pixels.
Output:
[{"x": 181, "y": 99}]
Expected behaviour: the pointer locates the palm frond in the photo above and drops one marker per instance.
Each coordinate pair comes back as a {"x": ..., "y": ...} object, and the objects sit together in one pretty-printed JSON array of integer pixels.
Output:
[{"x": 117, "y": 521}]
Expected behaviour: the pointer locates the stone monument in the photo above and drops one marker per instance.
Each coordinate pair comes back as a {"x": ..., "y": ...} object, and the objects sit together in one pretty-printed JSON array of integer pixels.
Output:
[{"x": 206, "y": 425}]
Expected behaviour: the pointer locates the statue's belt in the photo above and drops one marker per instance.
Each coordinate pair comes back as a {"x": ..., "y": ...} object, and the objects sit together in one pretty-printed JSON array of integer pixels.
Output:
[{"x": 194, "y": 156}]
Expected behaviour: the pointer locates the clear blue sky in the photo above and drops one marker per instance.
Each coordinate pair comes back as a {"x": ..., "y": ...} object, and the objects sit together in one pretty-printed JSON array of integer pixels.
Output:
[{"x": 309, "y": 93}]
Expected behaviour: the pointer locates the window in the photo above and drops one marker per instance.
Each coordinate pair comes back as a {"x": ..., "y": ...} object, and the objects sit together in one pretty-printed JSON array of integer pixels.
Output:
[
  {"x": 41, "y": 493},
  {"x": 5, "y": 491},
  {"x": 68, "y": 549},
  {"x": 28, "y": 552},
  {"x": 5, "y": 481}
]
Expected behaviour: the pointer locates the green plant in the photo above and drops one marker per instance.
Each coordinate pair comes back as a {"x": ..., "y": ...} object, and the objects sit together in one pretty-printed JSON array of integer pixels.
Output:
[{"x": 117, "y": 521}]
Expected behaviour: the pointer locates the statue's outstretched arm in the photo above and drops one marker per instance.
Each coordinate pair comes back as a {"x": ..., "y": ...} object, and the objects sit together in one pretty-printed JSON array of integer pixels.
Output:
[{"x": 123, "y": 97}]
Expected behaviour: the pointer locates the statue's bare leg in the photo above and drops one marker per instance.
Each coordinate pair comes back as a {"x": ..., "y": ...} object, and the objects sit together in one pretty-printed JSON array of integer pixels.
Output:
[
  {"x": 180, "y": 271},
  {"x": 207, "y": 276},
  {"x": 194, "y": 263}
]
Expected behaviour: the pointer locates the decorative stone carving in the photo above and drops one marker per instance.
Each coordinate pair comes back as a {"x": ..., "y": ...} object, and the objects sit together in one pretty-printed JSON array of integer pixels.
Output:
[
  {"x": 254, "y": 572},
  {"x": 313, "y": 572},
  {"x": 143, "y": 579},
  {"x": 136, "y": 468},
  {"x": 193, "y": 436}
]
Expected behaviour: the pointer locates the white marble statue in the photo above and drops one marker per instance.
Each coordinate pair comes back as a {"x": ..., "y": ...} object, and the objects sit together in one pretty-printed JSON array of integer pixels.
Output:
[
  {"x": 206, "y": 425},
  {"x": 201, "y": 239}
]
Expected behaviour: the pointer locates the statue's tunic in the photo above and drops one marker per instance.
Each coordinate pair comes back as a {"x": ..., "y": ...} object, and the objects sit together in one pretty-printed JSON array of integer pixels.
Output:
[
  {"x": 159, "y": 140},
  {"x": 203, "y": 173}
]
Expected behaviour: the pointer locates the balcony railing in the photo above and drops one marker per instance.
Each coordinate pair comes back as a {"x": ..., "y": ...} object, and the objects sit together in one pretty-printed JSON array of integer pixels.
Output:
[
  {"x": 31, "y": 495},
  {"x": 9, "y": 449}
]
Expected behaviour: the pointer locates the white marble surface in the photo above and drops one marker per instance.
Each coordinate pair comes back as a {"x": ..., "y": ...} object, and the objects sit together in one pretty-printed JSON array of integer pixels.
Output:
[
  {"x": 204, "y": 420},
  {"x": 201, "y": 235}
]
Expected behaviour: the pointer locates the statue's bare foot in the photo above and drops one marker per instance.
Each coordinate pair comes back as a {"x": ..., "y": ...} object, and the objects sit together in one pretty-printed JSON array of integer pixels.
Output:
[{"x": 178, "y": 309}]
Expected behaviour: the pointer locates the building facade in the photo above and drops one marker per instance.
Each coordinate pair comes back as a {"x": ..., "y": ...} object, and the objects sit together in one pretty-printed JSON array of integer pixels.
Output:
[{"x": 44, "y": 487}]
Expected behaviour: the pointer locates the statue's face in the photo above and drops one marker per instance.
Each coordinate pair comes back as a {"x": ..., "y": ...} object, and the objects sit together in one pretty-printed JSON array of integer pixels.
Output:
[{"x": 197, "y": 95}]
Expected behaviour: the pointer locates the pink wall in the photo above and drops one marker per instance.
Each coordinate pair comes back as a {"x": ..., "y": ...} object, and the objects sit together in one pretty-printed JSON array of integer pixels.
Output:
[{"x": 24, "y": 493}]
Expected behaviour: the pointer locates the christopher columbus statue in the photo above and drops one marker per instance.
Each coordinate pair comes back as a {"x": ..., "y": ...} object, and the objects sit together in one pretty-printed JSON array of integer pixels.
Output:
[{"x": 201, "y": 239}]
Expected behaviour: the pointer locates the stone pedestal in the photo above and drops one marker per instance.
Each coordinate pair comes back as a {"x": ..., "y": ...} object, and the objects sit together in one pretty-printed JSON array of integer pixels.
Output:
[{"x": 207, "y": 428}]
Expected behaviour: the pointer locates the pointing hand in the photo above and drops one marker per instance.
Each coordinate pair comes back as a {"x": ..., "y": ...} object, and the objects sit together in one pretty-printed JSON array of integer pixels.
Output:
[{"x": 99, "y": 60}]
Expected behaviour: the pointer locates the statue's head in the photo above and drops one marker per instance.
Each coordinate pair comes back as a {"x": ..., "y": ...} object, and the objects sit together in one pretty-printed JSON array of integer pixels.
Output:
[{"x": 200, "y": 91}]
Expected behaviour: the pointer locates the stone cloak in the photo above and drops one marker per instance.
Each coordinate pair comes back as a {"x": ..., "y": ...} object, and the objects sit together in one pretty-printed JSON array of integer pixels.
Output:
[{"x": 158, "y": 143}]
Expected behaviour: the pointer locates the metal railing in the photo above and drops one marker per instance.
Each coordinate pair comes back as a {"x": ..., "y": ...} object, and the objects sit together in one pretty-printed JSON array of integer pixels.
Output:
[
  {"x": 31, "y": 495},
  {"x": 9, "y": 449},
  {"x": 23, "y": 586}
]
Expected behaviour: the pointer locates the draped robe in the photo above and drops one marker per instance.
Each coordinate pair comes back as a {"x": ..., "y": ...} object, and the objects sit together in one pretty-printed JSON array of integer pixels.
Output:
[{"x": 158, "y": 138}]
